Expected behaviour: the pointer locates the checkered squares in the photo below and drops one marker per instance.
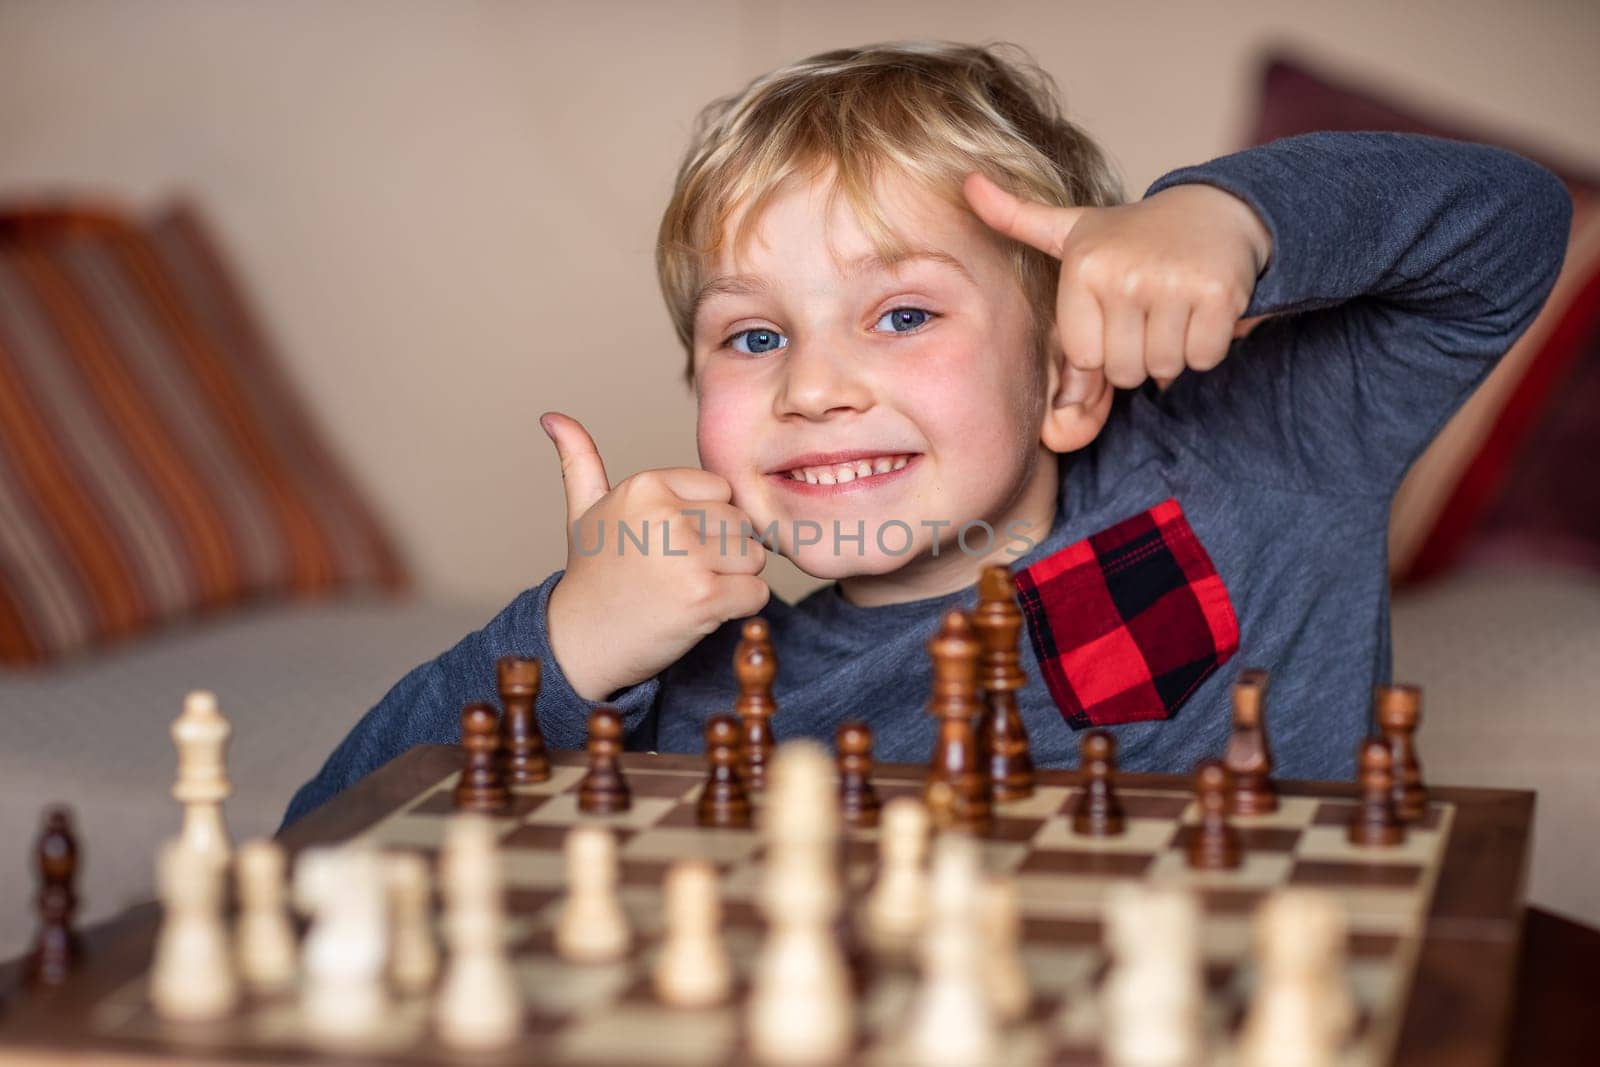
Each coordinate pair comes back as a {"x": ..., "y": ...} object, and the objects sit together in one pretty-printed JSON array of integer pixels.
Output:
[{"x": 1128, "y": 622}]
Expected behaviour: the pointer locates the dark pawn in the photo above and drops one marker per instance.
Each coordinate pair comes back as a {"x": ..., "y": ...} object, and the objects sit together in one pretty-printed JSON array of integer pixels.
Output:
[
  {"x": 526, "y": 760},
  {"x": 56, "y": 949},
  {"x": 1374, "y": 821},
  {"x": 603, "y": 790},
  {"x": 1215, "y": 844},
  {"x": 858, "y": 801},
  {"x": 755, "y": 665},
  {"x": 1249, "y": 756},
  {"x": 954, "y": 704},
  {"x": 723, "y": 801},
  {"x": 482, "y": 787},
  {"x": 1399, "y": 715},
  {"x": 1002, "y": 739},
  {"x": 1096, "y": 812}
]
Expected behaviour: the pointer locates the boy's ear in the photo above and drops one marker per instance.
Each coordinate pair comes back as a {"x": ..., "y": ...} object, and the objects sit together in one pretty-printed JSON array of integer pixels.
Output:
[{"x": 1077, "y": 404}]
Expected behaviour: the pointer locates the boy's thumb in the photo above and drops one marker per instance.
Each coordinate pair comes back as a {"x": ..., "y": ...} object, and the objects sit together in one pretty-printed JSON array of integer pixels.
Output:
[
  {"x": 583, "y": 474},
  {"x": 1040, "y": 225}
]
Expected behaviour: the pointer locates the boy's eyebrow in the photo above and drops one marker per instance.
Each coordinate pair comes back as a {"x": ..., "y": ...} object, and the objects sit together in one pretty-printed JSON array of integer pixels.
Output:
[{"x": 752, "y": 284}]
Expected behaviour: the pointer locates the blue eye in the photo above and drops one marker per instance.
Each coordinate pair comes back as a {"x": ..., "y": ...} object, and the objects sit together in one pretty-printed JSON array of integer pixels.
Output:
[
  {"x": 757, "y": 337},
  {"x": 909, "y": 317}
]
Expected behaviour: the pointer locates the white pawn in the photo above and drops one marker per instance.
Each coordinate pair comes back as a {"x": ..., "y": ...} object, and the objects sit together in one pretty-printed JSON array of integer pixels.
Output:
[
  {"x": 1004, "y": 975},
  {"x": 264, "y": 936},
  {"x": 343, "y": 999},
  {"x": 413, "y": 954},
  {"x": 1302, "y": 1009},
  {"x": 693, "y": 969},
  {"x": 1153, "y": 1000},
  {"x": 191, "y": 977},
  {"x": 200, "y": 734},
  {"x": 897, "y": 906},
  {"x": 800, "y": 1008},
  {"x": 592, "y": 928},
  {"x": 952, "y": 1018},
  {"x": 479, "y": 1004}
]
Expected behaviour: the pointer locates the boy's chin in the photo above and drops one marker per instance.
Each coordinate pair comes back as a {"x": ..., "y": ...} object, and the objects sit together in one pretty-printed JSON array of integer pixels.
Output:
[{"x": 824, "y": 563}]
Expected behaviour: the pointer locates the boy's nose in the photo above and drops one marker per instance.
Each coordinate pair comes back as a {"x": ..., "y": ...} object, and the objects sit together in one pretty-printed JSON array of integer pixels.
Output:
[{"x": 820, "y": 380}]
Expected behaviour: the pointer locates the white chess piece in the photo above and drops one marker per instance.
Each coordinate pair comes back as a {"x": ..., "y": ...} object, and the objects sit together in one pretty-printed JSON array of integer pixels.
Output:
[
  {"x": 897, "y": 906},
  {"x": 479, "y": 1004},
  {"x": 1302, "y": 1010},
  {"x": 592, "y": 928},
  {"x": 264, "y": 936},
  {"x": 191, "y": 977},
  {"x": 413, "y": 954},
  {"x": 343, "y": 998},
  {"x": 693, "y": 969},
  {"x": 1152, "y": 1001},
  {"x": 952, "y": 1017},
  {"x": 1003, "y": 972},
  {"x": 200, "y": 734}
]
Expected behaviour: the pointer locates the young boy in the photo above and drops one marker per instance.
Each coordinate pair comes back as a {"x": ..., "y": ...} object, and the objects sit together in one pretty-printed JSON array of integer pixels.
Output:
[{"x": 925, "y": 334}]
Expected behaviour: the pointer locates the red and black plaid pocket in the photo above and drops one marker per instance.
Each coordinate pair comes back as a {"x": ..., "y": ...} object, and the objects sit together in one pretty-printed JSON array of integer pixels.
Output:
[{"x": 1128, "y": 622}]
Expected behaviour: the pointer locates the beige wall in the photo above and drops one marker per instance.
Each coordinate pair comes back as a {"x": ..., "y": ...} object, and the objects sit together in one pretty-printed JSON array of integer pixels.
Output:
[{"x": 447, "y": 211}]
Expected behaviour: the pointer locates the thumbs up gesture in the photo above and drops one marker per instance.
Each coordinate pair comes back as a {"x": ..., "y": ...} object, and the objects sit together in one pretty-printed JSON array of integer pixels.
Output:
[
  {"x": 622, "y": 613},
  {"x": 1148, "y": 288}
]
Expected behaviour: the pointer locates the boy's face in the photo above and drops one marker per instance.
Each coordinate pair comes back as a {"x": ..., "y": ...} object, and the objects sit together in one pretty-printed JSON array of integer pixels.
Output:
[{"x": 928, "y": 369}]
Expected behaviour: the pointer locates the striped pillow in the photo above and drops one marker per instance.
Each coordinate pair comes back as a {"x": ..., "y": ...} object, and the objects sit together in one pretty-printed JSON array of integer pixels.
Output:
[{"x": 154, "y": 465}]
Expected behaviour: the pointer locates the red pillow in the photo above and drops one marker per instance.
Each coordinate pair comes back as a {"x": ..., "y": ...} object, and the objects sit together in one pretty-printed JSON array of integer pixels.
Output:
[{"x": 1496, "y": 482}]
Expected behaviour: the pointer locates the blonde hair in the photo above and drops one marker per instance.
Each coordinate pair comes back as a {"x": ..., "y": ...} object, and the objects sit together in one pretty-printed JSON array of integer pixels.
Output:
[{"x": 932, "y": 110}]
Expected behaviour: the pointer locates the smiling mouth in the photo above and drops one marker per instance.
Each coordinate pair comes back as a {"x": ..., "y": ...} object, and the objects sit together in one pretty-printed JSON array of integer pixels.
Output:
[{"x": 855, "y": 470}]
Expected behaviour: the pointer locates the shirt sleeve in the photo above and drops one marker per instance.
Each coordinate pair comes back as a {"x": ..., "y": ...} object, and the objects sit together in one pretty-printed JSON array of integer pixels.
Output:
[
  {"x": 1402, "y": 268},
  {"x": 425, "y": 706}
]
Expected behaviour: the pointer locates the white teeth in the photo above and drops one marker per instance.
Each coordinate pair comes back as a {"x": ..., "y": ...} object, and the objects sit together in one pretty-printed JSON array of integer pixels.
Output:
[
  {"x": 862, "y": 469},
  {"x": 841, "y": 473},
  {"x": 845, "y": 474},
  {"x": 882, "y": 464},
  {"x": 825, "y": 478},
  {"x": 900, "y": 461}
]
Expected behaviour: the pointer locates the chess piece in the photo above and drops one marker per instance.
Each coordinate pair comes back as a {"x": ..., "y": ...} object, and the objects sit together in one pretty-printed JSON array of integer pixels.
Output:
[
  {"x": 1152, "y": 1000},
  {"x": 955, "y": 703},
  {"x": 801, "y": 815},
  {"x": 1374, "y": 822},
  {"x": 755, "y": 666},
  {"x": 858, "y": 800},
  {"x": 693, "y": 970},
  {"x": 1215, "y": 844},
  {"x": 723, "y": 801},
  {"x": 1002, "y": 738},
  {"x": 1096, "y": 812},
  {"x": 57, "y": 949},
  {"x": 952, "y": 1020},
  {"x": 1004, "y": 975},
  {"x": 343, "y": 998},
  {"x": 413, "y": 955},
  {"x": 1302, "y": 1010},
  {"x": 593, "y": 928},
  {"x": 1399, "y": 709},
  {"x": 801, "y": 1007},
  {"x": 897, "y": 904},
  {"x": 523, "y": 744},
  {"x": 200, "y": 734},
  {"x": 264, "y": 937},
  {"x": 191, "y": 976},
  {"x": 1248, "y": 756},
  {"x": 482, "y": 787},
  {"x": 603, "y": 790},
  {"x": 479, "y": 1004}
]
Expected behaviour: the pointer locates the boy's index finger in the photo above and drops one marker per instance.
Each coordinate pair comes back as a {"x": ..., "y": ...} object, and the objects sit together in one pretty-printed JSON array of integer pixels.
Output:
[
  {"x": 1040, "y": 225},
  {"x": 692, "y": 483}
]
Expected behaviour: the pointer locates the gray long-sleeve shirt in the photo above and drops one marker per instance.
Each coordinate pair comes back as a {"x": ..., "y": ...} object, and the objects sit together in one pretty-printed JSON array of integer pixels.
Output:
[{"x": 1402, "y": 268}]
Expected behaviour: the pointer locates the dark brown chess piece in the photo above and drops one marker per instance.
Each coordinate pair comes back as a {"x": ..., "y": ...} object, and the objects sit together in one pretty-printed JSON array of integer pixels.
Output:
[
  {"x": 1215, "y": 845},
  {"x": 858, "y": 800},
  {"x": 955, "y": 704},
  {"x": 603, "y": 790},
  {"x": 1399, "y": 710},
  {"x": 482, "y": 786},
  {"x": 1374, "y": 821},
  {"x": 1002, "y": 738},
  {"x": 1096, "y": 812},
  {"x": 57, "y": 948},
  {"x": 1249, "y": 756},
  {"x": 755, "y": 665},
  {"x": 526, "y": 759},
  {"x": 723, "y": 801}
]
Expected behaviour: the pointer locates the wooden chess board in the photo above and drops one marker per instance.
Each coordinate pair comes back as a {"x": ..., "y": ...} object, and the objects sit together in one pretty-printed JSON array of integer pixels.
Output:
[{"x": 1434, "y": 924}]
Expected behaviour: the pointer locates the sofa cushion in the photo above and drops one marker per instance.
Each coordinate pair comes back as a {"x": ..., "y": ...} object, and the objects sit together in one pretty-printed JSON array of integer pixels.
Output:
[{"x": 154, "y": 464}]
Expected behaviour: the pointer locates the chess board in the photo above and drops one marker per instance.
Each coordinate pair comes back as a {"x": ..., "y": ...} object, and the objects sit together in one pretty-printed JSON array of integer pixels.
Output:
[{"x": 1433, "y": 924}]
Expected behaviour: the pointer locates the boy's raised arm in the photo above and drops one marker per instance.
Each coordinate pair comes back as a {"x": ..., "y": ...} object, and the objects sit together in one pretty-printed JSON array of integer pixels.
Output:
[{"x": 1417, "y": 261}]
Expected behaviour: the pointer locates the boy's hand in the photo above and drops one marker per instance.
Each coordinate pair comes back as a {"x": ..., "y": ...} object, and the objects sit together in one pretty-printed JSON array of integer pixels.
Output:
[
  {"x": 618, "y": 618},
  {"x": 1148, "y": 288}
]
